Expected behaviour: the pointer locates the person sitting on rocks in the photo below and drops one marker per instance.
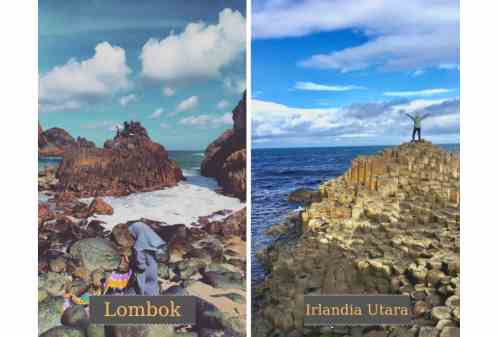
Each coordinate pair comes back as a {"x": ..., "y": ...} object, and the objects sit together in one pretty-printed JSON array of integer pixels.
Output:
[
  {"x": 147, "y": 245},
  {"x": 417, "y": 122}
]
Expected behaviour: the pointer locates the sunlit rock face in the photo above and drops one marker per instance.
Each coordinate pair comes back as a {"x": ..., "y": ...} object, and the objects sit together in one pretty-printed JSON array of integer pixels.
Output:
[
  {"x": 130, "y": 162},
  {"x": 225, "y": 158}
]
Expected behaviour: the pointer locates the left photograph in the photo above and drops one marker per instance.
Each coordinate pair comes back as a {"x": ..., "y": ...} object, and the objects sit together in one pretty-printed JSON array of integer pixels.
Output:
[{"x": 142, "y": 162}]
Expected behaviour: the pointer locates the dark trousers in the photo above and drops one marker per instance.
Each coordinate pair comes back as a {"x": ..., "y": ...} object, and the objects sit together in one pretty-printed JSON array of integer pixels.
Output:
[{"x": 416, "y": 130}]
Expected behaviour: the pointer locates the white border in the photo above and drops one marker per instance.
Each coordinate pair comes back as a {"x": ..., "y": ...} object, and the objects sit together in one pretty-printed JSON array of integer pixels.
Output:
[{"x": 248, "y": 75}]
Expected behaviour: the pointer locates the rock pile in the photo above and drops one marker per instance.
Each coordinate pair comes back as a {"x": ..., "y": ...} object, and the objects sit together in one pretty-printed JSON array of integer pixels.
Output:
[
  {"x": 55, "y": 142},
  {"x": 129, "y": 163},
  {"x": 225, "y": 158},
  {"x": 390, "y": 224},
  {"x": 75, "y": 254}
]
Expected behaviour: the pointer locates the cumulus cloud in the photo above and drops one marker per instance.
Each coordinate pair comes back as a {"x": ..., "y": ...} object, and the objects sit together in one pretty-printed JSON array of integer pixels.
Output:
[
  {"x": 222, "y": 104},
  {"x": 364, "y": 120},
  {"x": 78, "y": 83},
  {"x": 107, "y": 125},
  {"x": 188, "y": 104},
  {"x": 311, "y": 86},
  {"x": 200, "y": 51},
  {"x": 167, "y": 91},
  {"x": 400, "y": 34},
  {"x": 424, "y": 92},
  {"x": 208, "y": 121},
  {"x": 156, "y": 114},
  {"x": 235, "y": 85},
  {"x": 126, "y": 100}
]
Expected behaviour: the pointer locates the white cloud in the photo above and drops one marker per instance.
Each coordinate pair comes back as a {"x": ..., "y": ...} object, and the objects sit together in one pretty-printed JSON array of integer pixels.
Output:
[
  {"x": 107, "y": 125},
  {"x": 167, "y": 91},
  {"x": 188, "y": 104},
  {"x": 235, "y": 85},
  {"x": 272, "y": 120},
  {"x": 164, "y": 126},
  {"x": 323, "y": 87},
  {"x": 76, "y": 84},
  {"x": 400, "y": 34},
  {"x": 222, "y": 104},
  {"x": 126, "y": 100},
  {"x": 208, "y": 120},
  {"x": 418, "y": 72},
  {"x": 156, "y": 114},
  {"x": 200, "y": 51},
  {"x": 449, "y": 66},
  {"x": 425, "y": 92}
]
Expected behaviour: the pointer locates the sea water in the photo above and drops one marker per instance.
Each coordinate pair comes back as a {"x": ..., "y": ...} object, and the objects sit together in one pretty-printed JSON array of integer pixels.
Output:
[{"x": 182, "y": 204}]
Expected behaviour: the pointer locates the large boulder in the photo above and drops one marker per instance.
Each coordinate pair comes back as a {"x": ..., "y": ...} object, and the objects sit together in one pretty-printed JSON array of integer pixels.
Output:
[
  {"x": 130, "y": 162},
  {"x": 96, "y": 253},
  {"x": 49, "y": 313},
  {"x": 225, "y": 158},
  {"x": 63, "y": 331}
]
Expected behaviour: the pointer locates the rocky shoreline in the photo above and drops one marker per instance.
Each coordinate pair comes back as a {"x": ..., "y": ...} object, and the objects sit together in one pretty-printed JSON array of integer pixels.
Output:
[
  {"x": 76, "y": 251},
  {"x": 207, "y": 261},
  {"x": 390, "y": 224}
]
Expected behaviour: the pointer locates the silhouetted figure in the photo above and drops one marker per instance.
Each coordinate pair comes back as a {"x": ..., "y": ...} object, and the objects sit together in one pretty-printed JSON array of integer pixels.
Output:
[{"x": 417, "y": 123}]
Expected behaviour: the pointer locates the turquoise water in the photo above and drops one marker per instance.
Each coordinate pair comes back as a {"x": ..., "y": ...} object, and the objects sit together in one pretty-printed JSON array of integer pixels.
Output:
[{"x": 188, "y": 161}]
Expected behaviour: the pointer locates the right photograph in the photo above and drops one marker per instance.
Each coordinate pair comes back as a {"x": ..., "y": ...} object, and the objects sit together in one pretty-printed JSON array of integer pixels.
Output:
[{"x": 355, "y": 218}]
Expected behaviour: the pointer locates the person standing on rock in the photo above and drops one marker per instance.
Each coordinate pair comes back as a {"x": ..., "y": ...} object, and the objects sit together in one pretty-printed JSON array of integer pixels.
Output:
[
  {"x": 417, "y": 123},
  {"x": 147, "y": 245}
]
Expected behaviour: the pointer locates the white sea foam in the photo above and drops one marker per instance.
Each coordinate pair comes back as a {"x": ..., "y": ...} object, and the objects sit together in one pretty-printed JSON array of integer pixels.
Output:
[{"x": 182, "y": 204}]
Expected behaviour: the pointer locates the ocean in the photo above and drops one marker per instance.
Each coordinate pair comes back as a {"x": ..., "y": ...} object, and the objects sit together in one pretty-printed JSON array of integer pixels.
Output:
[
  {"x": 277, "y": 172},
  {"x": 181, "y": 204},
  {"x": 189, "y": 161}
]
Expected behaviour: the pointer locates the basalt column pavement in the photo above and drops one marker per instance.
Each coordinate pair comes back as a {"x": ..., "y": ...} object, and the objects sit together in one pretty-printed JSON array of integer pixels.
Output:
[{"x": 389, "y": 225}]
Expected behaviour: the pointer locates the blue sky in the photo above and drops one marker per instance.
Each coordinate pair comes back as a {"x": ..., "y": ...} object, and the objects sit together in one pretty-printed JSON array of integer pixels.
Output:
[
  {"x": 336, "y": 73},
  {"x": 177, "y": 66}
]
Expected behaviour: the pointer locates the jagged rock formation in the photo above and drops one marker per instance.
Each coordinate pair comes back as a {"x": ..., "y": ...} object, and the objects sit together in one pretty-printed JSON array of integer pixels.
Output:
[
  {"x": 390, "y": 224},
  {"x": 129, "y": 163},
  {"x": 55, "y": 142},
  {"x": 225, "y": 158}
]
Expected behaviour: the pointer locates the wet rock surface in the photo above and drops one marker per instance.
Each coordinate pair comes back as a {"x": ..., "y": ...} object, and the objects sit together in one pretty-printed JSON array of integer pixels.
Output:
[
  {"x": 207, "y": 261},
  {"x": 225, "y": 158},
  {"x": 389, "y": 225}
]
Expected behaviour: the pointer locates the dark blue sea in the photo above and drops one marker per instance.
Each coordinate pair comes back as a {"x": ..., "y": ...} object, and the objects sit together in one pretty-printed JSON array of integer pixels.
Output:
[{"x": 277, "y": 172}]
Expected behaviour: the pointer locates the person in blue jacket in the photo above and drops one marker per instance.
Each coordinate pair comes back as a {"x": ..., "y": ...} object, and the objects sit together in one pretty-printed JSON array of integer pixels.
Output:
[{"x": 147, "y": 245}]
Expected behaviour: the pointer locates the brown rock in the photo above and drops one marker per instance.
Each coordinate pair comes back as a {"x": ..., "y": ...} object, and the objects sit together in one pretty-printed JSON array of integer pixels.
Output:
[
  {"x": 54, "y": 142},
  {"x": 122, "y": 236},
  {"x": 99, "y": 206},
  {"x": 129, "y": 163},
  {"x": 225, "y": 158}
]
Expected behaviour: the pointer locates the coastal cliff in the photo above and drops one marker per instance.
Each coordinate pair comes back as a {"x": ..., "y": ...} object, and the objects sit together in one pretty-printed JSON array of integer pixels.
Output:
[
  {"x": 388, "y": 225},
  {"x": 130, "y": 162},
  {"x": 225, "y": 158}
]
